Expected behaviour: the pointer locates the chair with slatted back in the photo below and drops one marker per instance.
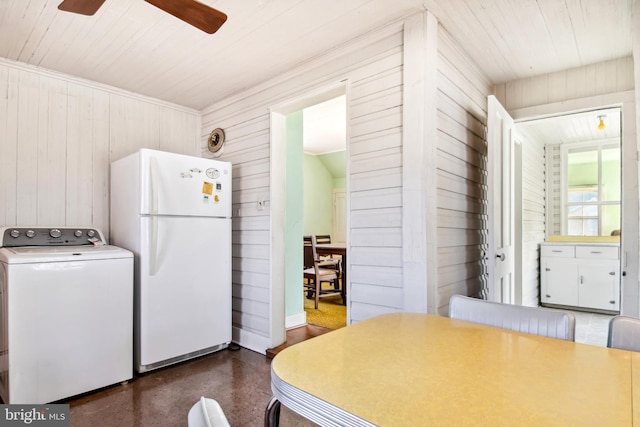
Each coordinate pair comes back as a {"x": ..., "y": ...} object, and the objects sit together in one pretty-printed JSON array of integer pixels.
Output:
[
  {"x": 308, "y": 278},
  {"x": 322, "y": 272},
  {"x": 624, "y": 333},
  {"x": 531, "y": 320},
  {"x": 308, "y": 252}
]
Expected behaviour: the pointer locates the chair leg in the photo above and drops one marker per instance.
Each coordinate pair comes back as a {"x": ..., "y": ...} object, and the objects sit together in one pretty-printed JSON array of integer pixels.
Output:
[
  {"x": 272, "y": 413},
  {"x": 309, "y": 290},
  {"x": 318, "y": 286}
]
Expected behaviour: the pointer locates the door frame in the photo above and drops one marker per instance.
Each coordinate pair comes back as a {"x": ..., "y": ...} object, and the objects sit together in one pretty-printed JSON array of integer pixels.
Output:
[
  {"x": 278, "y": 197},
  {"x": 629, "y": 244}
]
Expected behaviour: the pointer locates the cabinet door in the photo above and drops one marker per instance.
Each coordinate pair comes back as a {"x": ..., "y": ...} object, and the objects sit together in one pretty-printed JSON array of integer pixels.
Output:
[
  {"x": 559, "y": 281},
  {"x": 599, "y": 285}
]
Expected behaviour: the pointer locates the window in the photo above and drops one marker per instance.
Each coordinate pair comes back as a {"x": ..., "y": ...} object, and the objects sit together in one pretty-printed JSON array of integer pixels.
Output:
[
  {"x": 582, "y": 215},
  {"x": 592, "y": 200}
]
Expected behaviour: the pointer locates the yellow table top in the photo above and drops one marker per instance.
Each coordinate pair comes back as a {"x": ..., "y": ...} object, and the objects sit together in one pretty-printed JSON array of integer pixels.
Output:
[{"x": 413, "y": 369}]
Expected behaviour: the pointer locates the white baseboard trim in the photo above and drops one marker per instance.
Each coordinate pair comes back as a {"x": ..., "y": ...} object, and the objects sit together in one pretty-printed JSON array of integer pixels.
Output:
[
  {"x": 250, "y": 340},
  {"x": 295, "y": 320}
]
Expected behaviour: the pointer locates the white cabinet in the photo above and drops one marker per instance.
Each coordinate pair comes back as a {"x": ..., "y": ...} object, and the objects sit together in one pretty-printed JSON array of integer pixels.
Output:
[
  {"x": 559, "y": 282},
  {"x": 580, "y": 275}
]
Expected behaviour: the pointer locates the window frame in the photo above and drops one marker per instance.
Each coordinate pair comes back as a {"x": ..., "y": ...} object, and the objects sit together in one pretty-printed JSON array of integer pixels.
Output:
[{"x": 598, "y": 146}]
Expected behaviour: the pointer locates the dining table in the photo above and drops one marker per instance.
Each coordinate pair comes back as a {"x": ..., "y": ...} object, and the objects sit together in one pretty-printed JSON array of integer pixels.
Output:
[{"x": 411, "y": 369}]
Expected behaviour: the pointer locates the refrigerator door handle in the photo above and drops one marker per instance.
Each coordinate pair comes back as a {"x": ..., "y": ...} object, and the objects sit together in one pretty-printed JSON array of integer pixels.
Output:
[
  {"x": 153, "y": 252},
  {"x": 153, "y": 170}
]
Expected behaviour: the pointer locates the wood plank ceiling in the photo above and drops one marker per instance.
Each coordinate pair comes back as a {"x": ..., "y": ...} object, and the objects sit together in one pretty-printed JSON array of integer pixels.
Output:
[
  {"x": 135, "y": 46},
  {"x": 575, "y": 128}
]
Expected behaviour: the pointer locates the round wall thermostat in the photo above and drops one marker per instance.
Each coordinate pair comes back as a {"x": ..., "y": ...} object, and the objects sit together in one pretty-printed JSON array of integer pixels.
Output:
[{"x": 216, "y": 140}]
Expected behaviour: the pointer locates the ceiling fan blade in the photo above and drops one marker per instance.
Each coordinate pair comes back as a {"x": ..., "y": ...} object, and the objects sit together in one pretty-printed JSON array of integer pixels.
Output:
[
  {"x": 83, "y": 7},
  {"x": 192, "y": 12}
]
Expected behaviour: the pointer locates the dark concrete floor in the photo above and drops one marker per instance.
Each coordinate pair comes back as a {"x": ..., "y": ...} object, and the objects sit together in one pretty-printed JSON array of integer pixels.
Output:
[{"x": 238, "y": 380}]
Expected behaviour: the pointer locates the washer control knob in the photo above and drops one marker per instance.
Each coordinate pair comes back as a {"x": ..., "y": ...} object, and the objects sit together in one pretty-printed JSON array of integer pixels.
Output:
[
  {"x": 55, "y": 233},
  {"x": 78, "y": 233},
  {"x": 91, "y": 233},
  {"x": 30, "y": 233},
  {"x": 15, "y": 233}
]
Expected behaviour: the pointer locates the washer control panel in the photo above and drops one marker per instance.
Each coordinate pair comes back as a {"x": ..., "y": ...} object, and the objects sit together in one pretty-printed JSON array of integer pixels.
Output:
[{"x": 50, "y": 236}]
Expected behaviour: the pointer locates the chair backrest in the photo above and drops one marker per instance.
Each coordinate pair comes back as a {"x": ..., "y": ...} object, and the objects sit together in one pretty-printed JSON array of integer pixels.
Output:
[
  {"x": 530, "y": 320},
  {"x": 317, "y": 260},
  {"x": 624, "y": 333},
  {"x": 323, "y": 238},
  {"x": 308, "y": 251}
]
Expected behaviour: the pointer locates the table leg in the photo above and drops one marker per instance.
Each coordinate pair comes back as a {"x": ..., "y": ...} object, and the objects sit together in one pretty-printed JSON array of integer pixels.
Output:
[
  {"x": 343, "y": 287},
  {"x": 272, "y": 413}
]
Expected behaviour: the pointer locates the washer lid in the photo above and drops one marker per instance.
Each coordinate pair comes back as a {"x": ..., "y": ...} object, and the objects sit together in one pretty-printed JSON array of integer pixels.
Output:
[{"x": 40, "y": 254}]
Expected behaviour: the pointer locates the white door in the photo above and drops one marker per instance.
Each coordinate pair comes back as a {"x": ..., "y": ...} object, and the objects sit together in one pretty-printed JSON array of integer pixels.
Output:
[
  {"x": 500, "y": 203},
  {"x": 339, "y": 216}
]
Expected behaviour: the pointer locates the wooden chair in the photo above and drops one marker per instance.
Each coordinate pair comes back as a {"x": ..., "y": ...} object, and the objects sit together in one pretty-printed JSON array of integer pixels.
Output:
[
  {"x": 624, "y": 333},
  {"x": 530, "y": 320},
  {"x": 308, "y": 256},
  {"x": 309, "y": 278},
  {"x": 308, "y": 252},
  {"x": 322, "y": 272}
]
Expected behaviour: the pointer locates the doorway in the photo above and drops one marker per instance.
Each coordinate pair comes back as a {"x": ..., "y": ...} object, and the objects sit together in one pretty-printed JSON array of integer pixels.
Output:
[
  {"x": 570, "y": 181},
  {"x": 324, "y": 206},
  {"x": 628, "y": 246},
  {"x": 285, "y": 287}
]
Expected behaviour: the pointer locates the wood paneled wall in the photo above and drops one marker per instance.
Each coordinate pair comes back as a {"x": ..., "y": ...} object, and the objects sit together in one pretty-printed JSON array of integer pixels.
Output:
[
  {"x": 553, "y": 202},
  {"x": 596, "y": 79},
  {"x": 375, "y": 182},
  {"x": 58, "y": 136},
  {"x": 533, "y": 217},
  {"x": 461, "y": 175}
]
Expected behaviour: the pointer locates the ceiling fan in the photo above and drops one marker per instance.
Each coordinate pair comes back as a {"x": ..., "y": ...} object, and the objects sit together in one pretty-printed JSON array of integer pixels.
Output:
[{"x": 192, "y": 12}]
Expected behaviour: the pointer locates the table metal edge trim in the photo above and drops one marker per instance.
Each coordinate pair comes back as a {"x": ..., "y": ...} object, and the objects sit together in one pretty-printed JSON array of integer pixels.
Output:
[{"x": 311, "y": 407}]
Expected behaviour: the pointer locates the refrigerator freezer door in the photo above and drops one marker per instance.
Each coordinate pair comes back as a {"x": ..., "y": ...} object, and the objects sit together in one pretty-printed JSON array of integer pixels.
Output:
[
  {"x": 184, "y": 287},
  {"x": 174, "y": 184}
]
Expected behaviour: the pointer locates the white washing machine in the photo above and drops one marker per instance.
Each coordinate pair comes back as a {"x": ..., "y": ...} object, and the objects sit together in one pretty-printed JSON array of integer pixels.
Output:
[{"x": 66, "y": 324}]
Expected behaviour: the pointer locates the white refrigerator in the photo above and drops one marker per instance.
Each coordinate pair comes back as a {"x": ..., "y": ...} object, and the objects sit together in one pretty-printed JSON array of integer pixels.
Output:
[{"x": 174, "y": 213}]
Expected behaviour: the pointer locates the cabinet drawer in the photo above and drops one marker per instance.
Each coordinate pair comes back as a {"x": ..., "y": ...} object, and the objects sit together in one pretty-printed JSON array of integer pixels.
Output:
[
  {"x": 558, "y": 251},
  {"x": 599, "y": 252}
]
